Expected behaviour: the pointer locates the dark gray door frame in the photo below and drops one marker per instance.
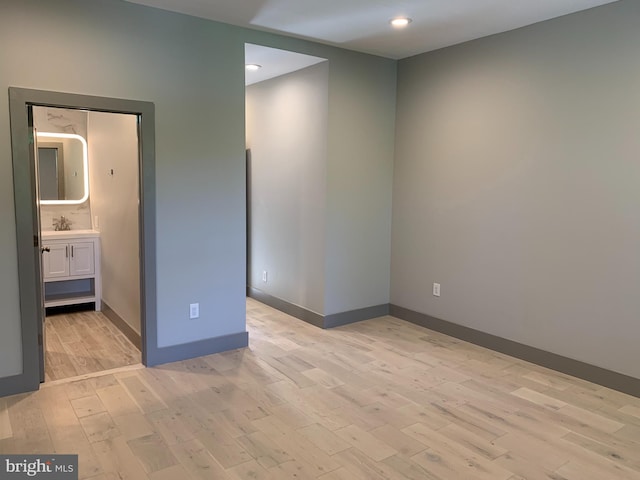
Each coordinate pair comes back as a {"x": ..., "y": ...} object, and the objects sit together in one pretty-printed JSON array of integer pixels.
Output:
[{"x": 20, "y": 99}]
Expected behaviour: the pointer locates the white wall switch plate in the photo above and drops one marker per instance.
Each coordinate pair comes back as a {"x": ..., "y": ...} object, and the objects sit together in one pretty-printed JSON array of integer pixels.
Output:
[
  {"x": 436, "y": 289},
  {"x": 194, "y": 310}
]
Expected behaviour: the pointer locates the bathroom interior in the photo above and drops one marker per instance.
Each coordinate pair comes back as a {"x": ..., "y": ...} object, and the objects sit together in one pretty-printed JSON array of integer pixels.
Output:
[{"x": 88, "y": 182}]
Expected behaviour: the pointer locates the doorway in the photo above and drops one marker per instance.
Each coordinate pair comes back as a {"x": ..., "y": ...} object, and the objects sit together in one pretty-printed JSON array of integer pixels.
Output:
[
  {"x": 28, "y": 206},
  {"x": 287, "y": 127},
  {"x": 88, "y": 182}
]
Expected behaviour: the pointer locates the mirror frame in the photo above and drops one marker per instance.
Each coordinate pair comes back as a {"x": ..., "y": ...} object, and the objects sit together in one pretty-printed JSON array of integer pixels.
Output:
[{"x": 85, "y": 165}]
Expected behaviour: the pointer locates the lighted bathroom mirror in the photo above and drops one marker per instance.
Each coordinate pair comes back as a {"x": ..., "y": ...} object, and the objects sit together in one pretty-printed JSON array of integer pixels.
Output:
[{"x": 63, "y": 173}]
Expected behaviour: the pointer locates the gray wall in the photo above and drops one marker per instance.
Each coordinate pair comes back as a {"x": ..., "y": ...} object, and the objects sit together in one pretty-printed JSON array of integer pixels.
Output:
[
  {"x": 193, "y": 70},
  {"x": 359, "y": 184},
  {"x": 287, "y": 122},
  {"x": 349, "y": 262},
  {"x": 360, "y": 147},
  {"x": 517, "y": 186}
]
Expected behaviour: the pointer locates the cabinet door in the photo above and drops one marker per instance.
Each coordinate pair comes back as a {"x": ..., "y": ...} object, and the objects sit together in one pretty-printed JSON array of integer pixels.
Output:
[
  {"x": 55, "y": 262},
  {"x": 81, "y": 260}
]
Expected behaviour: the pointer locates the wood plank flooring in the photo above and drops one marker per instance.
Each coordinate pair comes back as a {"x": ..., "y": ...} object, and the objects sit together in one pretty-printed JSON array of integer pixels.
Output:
[
  {"x": 380, "y": 399},
  {"x": 82, "y": 343}
]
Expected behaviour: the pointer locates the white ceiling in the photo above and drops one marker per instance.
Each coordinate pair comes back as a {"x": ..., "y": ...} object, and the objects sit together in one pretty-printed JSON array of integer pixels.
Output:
[
  {"x": 363, "y": 25},
  {"x": 274, "y": 62}
]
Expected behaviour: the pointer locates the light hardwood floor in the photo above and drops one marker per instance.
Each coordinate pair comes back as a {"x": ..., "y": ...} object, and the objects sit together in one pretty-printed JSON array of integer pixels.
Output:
[
  {"x": 80, "y": 343},
  {"x": 380, "y": 399}
]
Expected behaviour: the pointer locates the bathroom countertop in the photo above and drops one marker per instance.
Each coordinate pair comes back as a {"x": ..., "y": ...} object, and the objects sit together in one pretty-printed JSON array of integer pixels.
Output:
[{"x": 64, "y": 234}]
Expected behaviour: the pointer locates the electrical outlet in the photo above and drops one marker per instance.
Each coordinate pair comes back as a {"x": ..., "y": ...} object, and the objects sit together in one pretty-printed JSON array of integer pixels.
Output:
[
  {"x": 264, "y": 276},
  {"x": 436, "y": 289},
  {"x": 194, "y": 310}
]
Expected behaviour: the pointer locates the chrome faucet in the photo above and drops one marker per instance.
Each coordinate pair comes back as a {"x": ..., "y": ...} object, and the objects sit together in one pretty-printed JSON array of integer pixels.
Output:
[{"x": 61, "y": 223}]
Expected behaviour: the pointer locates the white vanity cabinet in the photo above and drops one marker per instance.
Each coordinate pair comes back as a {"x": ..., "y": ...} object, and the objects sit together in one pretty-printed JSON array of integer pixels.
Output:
[
  {"x": 71, "y": 268},
  {"x": 68, "y": 259}
]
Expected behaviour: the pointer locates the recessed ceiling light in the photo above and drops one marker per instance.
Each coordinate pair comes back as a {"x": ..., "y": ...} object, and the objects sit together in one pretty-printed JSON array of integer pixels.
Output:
[
  {"x": 252, "y": 67},
  {"x": 400, "y": 22}
]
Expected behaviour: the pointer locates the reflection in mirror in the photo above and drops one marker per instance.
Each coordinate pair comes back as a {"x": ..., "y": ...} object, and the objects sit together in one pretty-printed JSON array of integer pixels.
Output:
[
  {"x": 62, "y": 168},
  {"x": 51, "y": 171}
]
